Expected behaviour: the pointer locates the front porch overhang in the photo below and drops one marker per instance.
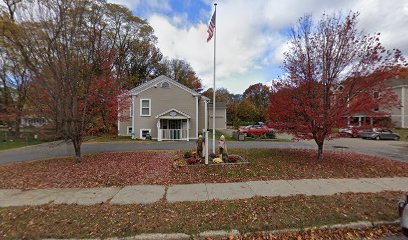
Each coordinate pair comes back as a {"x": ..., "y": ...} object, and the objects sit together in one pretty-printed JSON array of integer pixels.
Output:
[
  {"x": 180, "y": 132},
  {"x": 173, "y": 114}
]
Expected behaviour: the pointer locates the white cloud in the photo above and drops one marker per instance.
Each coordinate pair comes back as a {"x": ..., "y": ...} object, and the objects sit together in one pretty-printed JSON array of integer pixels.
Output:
[
  {"x": 250, "y": 39},
  {"x": 390, "y": 18},
  {"x": 131, "y": 4}
]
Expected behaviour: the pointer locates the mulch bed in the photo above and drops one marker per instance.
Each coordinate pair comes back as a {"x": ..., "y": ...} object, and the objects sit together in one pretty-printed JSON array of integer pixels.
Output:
[
  {"x": 250, "y": 215},
  {"x": 157, "y": 167}
]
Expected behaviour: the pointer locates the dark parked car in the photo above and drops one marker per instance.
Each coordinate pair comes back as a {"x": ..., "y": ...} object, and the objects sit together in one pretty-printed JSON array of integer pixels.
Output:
[
  {"x": 403, "y": 213},
  {"x": 380, "y": 134}
]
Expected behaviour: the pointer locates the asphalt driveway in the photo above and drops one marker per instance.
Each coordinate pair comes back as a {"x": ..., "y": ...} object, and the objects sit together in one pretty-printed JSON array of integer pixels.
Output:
[{"x": 388, "y": 149}]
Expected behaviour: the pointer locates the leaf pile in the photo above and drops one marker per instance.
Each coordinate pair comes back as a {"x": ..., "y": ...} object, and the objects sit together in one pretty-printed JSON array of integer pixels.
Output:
[
  {"x": 156, "y": 167},
  {"x": 378, "y": 232},
  {"x": 106, "y": 169},
  {"x": 251, "y": 215}
]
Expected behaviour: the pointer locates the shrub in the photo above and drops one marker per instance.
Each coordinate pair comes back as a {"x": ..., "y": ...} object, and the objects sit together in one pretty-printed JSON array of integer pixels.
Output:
[
  {"x": 270, "y": 135},
  {"x": 194, "y": 153},
  {"x": 187, "y": 155},
  {"x": 192, "y": 160},
  {"x": 217, "y": 160}
]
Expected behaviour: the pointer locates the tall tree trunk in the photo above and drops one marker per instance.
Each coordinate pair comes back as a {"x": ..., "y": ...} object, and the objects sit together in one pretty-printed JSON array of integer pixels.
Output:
[
  {"x": 320, "y": 150},
  {"x": 19, "y": 115},
  {"x": 17, "y": 125},
  {"x": 77, "y": 148}
]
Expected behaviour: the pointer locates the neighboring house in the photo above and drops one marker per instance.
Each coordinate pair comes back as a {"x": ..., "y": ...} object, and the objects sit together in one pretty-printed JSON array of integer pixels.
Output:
[
  {"x": 33, "y": 122},
  {"x": 397, "y": 115},
  {"x": 168, "y": 110},
  {"x": 220, "y": 115}
]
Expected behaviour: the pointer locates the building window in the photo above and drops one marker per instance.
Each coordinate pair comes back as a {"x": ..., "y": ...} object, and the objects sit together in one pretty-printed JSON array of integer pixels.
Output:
[
  {"x": 165, "y": 85},
  {"x": 376, "y": 96},
  {"x": 35, "y": 121},
  {"x": 129, "y": 130},
  {"x": 145, "y": 107},
  {"x": 145, "y": 133}
]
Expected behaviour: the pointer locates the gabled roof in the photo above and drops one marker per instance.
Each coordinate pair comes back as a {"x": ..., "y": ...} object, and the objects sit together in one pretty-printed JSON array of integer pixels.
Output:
[
  {"x": 157, "y": 81},
  {"x": 173, "y": 110}
]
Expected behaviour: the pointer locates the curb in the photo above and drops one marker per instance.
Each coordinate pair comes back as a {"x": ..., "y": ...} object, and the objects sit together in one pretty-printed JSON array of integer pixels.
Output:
[{"x": 234, "y": 232}]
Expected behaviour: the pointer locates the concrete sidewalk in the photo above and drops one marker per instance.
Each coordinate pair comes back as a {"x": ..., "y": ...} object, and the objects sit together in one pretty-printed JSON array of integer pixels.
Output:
[{"x": 145, "y": 194}]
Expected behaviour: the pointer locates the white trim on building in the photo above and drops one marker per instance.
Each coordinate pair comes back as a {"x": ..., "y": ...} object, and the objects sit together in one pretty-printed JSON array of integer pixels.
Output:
[
  {"x": 145, "y": 129},
  {"x": 129, "y": 130},
  {"x": 141, "y": 107}
]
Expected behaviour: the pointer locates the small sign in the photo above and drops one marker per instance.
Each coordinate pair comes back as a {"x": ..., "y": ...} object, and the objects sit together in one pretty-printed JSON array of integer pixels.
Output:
[{"x": 241, "y": 137}]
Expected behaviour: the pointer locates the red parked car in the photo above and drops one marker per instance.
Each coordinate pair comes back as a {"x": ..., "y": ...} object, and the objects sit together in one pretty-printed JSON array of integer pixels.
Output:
[{"x": 254, "y": 130}]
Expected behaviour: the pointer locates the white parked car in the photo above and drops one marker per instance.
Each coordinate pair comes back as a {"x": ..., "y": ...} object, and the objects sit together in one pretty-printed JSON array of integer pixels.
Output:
[{"x": 348, "y": 130}]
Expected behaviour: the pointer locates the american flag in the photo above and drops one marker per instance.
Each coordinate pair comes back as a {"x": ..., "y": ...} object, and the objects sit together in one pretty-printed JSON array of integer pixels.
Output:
[{"x": 211, "y": 27}]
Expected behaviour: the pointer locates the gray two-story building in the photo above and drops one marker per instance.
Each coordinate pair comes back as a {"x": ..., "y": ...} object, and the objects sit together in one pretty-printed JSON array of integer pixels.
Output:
[
  {"x": 167, "y": 110},
  {"x": 398, "y": 115}
]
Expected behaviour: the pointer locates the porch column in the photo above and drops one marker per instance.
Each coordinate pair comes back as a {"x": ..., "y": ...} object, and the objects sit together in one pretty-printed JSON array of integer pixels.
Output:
[
  {"x": 206, "y": 116},
  {"x": 188, "y": 129},
  {"x": 371, "y": 121},
  {"x": 196, "y": 120},
  {"x": 359, "y": 121},
  {"x": 159, "y": 133}
]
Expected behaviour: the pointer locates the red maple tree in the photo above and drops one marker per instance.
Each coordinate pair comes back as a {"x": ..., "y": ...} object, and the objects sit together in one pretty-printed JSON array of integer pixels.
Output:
[
  {"x": 77, "y": 110},
  {"x": 333, "y": 71}
]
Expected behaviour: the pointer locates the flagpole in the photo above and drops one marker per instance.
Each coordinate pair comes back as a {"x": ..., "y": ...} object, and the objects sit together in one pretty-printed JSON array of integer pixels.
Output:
[{"x": 215, "y": 40}]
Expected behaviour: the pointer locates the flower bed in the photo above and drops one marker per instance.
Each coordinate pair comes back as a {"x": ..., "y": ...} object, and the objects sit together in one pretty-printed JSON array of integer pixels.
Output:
[{"x": 191, "y": 159}]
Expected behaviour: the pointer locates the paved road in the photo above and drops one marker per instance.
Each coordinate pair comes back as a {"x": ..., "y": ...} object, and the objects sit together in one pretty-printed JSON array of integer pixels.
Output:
[
  {"x": 388, "y": 149},
  {"x": 145, "y": 194}
]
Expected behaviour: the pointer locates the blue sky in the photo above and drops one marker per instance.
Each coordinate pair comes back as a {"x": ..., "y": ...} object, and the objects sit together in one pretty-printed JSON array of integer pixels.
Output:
[{"x": 251, "y": 36}]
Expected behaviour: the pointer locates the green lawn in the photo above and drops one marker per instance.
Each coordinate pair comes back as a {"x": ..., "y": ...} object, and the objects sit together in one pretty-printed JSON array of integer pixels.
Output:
[
  {"x": 402, "y": 132},
  {"x": 251, "y": 215},
  {"x": 218, "y": 135},
  {"x": 18, "y": 144}
]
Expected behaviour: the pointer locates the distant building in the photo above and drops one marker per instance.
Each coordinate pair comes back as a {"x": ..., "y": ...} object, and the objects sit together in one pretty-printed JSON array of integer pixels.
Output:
[{"x": 397, "y": 115}]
